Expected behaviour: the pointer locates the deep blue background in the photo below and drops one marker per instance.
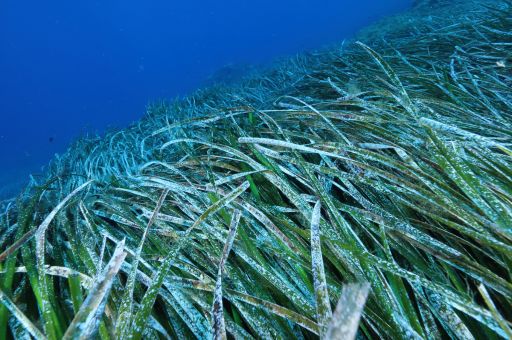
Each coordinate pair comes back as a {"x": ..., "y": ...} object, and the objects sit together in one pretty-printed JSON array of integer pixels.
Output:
[{"x": 67, "y": 67}]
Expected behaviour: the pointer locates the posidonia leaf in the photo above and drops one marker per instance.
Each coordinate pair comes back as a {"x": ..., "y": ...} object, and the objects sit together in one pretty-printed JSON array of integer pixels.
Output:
[
  {"x": 445, "y": 296},
  {"x": 20, "y": 317},
  {"x": 86, "y": 322},
  {"x": 323, "y": 305},
  {"x": 49, "y": 316},
  {"x": 390, "y": 73},
  {"x": 278, "y": 310},
  {"x": 151, "y": 294},
  {"x": 75, "y": 291},
  {"x": 497, "y": 316},
  {"x": 345, "y": 320},
  {"x": 18, "y": 244},
  {"x": 126, "y": 307},
  {"x": 219, "y": 327}
]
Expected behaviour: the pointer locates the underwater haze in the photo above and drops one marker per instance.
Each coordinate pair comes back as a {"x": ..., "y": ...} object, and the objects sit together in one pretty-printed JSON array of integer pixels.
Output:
[{"x": 74, "y": 67}]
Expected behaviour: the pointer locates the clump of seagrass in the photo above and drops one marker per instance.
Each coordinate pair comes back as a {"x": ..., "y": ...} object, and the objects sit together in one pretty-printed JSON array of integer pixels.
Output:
[{"x": 378, "y": 177}]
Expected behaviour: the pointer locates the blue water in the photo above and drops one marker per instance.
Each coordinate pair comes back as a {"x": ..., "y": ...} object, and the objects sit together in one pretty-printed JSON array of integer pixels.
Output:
[{"x": 71, "y": 67}]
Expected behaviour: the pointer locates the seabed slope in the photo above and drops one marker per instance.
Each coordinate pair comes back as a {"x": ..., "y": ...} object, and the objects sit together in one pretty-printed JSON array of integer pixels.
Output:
[{"x": 378, "y": 174}]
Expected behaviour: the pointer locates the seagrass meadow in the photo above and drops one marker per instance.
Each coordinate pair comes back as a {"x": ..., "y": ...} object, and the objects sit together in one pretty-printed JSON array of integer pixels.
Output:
[{"x": 360, "y": 191}]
